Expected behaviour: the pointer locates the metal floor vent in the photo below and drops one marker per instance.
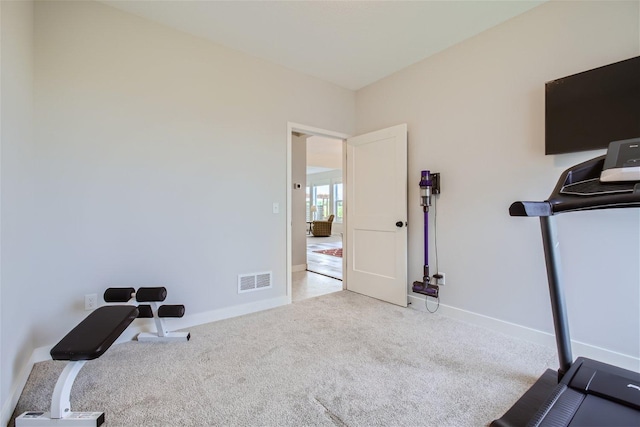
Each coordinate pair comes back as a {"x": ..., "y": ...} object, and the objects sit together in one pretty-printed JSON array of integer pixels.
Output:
[{"x": 254, "y": 281}]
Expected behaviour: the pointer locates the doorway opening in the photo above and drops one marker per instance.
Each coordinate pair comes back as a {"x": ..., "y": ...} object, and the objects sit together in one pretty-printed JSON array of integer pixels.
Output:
[
  {"x": 324, "y": 205},
  {"x": 316, "y": 212}
]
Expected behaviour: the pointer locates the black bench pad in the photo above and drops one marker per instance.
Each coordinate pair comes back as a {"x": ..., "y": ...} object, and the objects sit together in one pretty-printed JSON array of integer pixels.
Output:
[{"x": 95, "y": 334}]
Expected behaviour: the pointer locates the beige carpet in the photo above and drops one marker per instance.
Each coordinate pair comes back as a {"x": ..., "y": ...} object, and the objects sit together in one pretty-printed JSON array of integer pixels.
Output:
[{"x": 340, "y": 359}]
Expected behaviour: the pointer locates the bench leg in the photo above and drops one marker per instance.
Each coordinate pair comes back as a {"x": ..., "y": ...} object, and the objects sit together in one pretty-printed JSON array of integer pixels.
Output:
[
  {"x": 61, "y": 397},
  {"x": 61, "y": 405},
  {"x": 168, "y": 336},
  {"x": 162, "y": 333}
]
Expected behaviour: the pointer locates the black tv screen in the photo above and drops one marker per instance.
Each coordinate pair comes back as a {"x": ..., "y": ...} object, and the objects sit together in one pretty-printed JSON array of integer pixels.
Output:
[{"x": 588, "y": 110}]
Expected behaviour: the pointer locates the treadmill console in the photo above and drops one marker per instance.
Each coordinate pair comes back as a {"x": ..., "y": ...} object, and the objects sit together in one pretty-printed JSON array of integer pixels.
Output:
[{"x": 622, "y": 162}]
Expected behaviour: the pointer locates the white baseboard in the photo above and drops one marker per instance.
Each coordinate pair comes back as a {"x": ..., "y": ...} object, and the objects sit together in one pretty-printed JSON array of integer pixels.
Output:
[
  {"x": 225, "y": 313},
  {"x": 528, "y": 334},
  {"x": 300, "y": 267},
  {"x": 41, "y": 354},
  {"x": 21, "y": 380}
]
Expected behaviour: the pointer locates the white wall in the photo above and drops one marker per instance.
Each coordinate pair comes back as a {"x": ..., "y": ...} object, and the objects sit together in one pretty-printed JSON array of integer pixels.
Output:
[
  {"x": 156, "y": 159},
  {"x": 17, "y": 289},
  {"x": 475, "y": 113},
  {"x": 298, "y": 202}
]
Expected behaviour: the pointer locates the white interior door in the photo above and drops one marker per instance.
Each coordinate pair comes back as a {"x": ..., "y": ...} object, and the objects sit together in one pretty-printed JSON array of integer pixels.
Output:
[{"x": 376, "y": 193}]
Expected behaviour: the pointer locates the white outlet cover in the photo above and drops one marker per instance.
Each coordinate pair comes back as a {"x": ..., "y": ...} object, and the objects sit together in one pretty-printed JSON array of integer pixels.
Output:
[{"x": 90, "y": 301}]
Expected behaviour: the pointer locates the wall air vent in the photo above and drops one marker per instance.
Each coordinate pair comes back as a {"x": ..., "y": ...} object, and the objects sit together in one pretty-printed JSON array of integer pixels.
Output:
[{"x": 254, "y": 281}]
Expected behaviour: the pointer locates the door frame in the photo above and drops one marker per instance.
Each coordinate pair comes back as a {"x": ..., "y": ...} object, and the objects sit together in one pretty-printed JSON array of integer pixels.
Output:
[{"x": 310, "y": 130}]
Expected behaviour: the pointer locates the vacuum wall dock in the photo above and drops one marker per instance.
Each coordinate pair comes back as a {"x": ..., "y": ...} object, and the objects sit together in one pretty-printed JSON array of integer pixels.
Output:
[{"x": 429, "y": 184}]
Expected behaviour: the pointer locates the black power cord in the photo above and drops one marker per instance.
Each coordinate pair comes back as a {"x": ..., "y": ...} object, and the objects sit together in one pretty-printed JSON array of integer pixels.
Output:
[
  {"x": 435, "y": 230},
  {"x": 435, "y": 240},
  {"x": 426, "y": 306}
]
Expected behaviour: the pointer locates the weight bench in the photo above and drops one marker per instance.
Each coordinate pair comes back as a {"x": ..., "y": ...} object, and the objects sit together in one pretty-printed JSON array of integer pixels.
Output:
[
  {"x": 87, "y": 341},
  {"x": 152, "y": 310}
]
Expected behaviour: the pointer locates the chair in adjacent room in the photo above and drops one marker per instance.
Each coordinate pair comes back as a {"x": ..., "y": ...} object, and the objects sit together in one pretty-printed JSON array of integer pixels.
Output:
[{"x": 322, "y": 228}]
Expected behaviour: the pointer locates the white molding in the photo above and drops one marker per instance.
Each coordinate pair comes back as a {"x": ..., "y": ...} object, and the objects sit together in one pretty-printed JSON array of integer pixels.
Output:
[
  {"x": 17, "y": 387},
  {"x": 297, "y": 127},
  {"x": 528, "y": 334},
  {"x": 225, "y": 313},
  {"x": 299, "y": 267}
]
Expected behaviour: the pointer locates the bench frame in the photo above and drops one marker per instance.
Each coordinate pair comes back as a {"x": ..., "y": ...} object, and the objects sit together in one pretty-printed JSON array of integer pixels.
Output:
[{"x": 79, "y": 346}]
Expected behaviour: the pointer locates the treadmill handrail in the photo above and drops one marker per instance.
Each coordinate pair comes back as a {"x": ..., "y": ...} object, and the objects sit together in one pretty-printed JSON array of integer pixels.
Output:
[
  {"x": 559, "y": 203},
  {"x": 531, "y": 209}
]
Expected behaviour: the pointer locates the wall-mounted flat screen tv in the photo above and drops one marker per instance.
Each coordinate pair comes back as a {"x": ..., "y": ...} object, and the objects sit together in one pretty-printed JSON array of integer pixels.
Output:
[{"x": 588, "y": 110}]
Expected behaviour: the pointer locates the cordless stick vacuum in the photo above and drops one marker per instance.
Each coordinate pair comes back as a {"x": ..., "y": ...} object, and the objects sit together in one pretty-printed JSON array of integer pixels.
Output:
[{"x": 429, "y": 184}]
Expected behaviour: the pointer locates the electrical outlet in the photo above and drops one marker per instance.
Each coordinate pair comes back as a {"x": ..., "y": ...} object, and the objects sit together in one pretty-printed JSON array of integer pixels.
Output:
[
  {"x": 90, "y": 301},
  {"x": 440, "y": 281}
]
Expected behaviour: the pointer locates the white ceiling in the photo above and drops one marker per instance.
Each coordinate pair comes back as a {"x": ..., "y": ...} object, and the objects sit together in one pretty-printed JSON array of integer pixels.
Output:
[
  {"x": 349, "y": 43},
  {"x": 323, "y": 154}
]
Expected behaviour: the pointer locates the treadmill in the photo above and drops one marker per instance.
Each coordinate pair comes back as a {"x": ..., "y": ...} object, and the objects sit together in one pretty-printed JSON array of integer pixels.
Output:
[{"x": 583, "y": 392}]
